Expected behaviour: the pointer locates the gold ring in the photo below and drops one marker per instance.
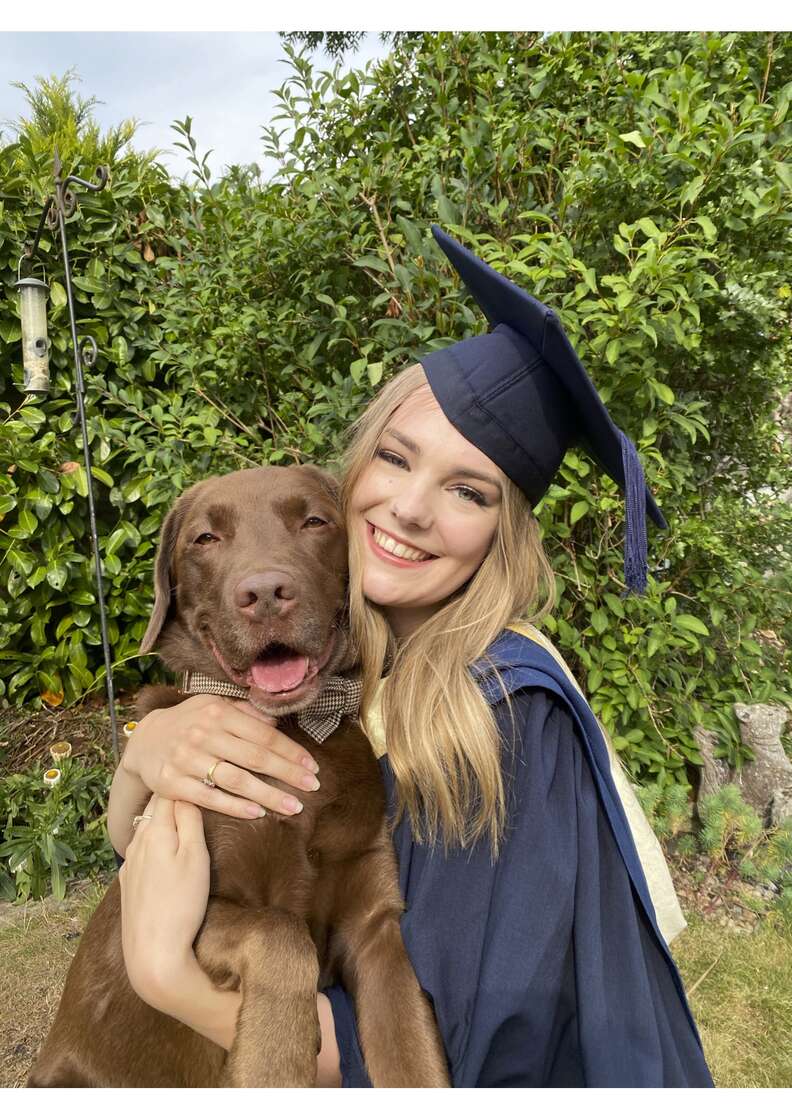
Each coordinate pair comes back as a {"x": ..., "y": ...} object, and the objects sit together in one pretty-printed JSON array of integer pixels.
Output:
[{"x": 209, "y": 777}]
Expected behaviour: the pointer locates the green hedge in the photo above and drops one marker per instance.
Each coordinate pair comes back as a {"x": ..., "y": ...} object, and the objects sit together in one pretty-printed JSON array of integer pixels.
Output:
[{"x": 638, "y": 183}]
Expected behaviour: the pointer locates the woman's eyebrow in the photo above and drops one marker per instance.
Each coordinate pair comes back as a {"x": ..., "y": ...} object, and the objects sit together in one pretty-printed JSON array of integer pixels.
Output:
[{"x": 463, "y": 472}]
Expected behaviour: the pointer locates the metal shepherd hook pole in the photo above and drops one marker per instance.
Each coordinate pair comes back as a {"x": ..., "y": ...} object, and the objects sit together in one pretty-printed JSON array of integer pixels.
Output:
[{"x": 57, "y": 209}]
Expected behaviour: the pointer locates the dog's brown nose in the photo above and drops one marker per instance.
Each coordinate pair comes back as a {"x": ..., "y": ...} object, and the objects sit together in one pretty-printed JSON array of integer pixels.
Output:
[{"x": 265, "y": 593}]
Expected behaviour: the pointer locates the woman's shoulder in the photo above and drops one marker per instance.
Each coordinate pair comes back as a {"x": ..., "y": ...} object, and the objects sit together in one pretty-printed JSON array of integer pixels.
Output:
[
  {"x": 522, "y": 657},
  {"x": 533, "y": 692},
  {"x": 523, "y": 643}
]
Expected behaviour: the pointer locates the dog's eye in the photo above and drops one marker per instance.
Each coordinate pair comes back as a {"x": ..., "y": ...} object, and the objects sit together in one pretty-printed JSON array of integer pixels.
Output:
[
  {"x": 206, "y": 538},
  {"x": 311, "y": 522}
]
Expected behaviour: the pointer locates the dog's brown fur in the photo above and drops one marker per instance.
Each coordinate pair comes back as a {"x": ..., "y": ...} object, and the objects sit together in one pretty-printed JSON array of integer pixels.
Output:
[{"x": 295, "y": 902}]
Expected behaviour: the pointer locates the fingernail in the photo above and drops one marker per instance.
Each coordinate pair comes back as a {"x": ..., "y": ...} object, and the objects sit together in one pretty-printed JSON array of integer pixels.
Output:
[
  {"x": 256, "y": 811},
  {"x": 309, "y": 783},
  {"x": 309, "y": 762},
  {"x": 292, "y": 805}
]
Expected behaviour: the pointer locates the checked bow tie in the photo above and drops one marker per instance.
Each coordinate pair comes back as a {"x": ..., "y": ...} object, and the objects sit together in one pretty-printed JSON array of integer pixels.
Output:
[{"x": 340, "y": 697}]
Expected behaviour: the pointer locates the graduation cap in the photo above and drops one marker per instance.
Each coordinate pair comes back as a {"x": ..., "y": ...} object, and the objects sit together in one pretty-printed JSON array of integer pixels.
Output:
[{"x": 521, "y": 395}]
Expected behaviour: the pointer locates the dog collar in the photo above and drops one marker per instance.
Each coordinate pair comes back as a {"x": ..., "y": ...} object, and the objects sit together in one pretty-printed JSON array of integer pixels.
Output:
[{"x": 340, "y": 697}]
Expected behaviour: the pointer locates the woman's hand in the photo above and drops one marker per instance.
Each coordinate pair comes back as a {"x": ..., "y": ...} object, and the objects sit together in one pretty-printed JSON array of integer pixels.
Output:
[
  {"x": 172, "y": 749},
  {"x": 164, "y": 892}
]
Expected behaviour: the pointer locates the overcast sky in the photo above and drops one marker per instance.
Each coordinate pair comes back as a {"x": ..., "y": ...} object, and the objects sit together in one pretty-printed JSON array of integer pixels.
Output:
[{"x": 221, "y": 79}]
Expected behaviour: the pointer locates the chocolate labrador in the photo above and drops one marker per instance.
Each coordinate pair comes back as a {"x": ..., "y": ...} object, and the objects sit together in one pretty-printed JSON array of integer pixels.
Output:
[{"x": 250, "y": 583}]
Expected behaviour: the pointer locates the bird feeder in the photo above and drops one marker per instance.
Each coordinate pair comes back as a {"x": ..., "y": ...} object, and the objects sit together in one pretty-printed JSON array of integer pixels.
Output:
[{"x": 35, "y": 341}]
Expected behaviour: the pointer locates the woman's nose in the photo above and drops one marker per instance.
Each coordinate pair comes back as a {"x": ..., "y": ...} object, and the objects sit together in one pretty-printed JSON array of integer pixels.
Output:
[{"x": 412, "y": 507}]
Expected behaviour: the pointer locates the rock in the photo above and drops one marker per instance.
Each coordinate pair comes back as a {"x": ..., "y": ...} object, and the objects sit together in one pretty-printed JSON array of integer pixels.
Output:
[
  {"x": 766, "y": 781},
  {"x": 715, "y": 772}
]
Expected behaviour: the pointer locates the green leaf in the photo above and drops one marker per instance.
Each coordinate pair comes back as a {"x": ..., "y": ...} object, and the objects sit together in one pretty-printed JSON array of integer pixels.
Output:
[
  {"x": 57, "y": 576},
  {"x": 446, "y": 211},
  {"x": 35, "y": 579},
  {"x": 710, "y": 232},
  {"x": 57, "y": 881},
  {"x": 102, "y": 475},
  {"x": 58, "y": 294},
  {"x": 26, "y": 522},
  {"x": 83, "y": 598},
  {"x": 64, "y": 625},
  {"x": 372, "y": 262},
  {"x": 20, "y": 561},
  {"x": 692, "y": 190},
  {"x": 664, "y": 392},
  {"x": 114, "y": 541},
  {"x": 579, "y": 509},
  {"x": 647, "y": 226},
  {"x": 593, "y": 680},
  {"x": 49, "y": 481},
  {"x": 599, "y": 621},
  {"x": 690, "y": 622},
  {"x": 632, "y": 138},
  {"x": 33, "y": 416}
]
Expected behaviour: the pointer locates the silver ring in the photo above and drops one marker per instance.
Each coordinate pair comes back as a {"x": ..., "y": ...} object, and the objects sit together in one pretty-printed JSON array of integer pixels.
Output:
[{"x": 141, "y": 817}]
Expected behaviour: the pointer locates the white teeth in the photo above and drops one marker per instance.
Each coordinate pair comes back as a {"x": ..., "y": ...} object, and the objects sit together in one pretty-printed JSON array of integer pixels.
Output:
[{"x": 397, "y": 549}]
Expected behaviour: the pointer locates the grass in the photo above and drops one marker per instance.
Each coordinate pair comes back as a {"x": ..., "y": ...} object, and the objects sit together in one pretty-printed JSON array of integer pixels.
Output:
[
  {"x": 743, "y": 1005},
  {"x": 37, "y": 943},
  {"x": 742, "y": 997}
]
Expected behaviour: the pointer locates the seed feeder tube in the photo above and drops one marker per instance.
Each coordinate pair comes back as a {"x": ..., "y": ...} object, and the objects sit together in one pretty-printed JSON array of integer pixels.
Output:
[{"x": 35, "y": 341}]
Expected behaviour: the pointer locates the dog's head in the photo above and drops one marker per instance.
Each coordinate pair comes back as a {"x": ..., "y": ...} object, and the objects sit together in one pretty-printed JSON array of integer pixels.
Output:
[{"x": 250, "y": 584}]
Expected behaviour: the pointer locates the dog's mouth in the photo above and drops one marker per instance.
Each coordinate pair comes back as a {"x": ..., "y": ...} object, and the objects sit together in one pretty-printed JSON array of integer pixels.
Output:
[{"x": 279, "y": 672}]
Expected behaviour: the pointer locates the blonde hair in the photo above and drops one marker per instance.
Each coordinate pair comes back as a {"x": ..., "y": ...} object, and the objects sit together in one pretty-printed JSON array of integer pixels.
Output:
[{"x": 443, "y": 742}]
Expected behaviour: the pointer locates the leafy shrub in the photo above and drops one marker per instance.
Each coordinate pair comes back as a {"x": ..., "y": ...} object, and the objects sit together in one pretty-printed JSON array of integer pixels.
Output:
[
  {"x": 771, "y": 862},
  {"x": 638, "y": 183},
  {"x": 729, "y": 825},
  {"x": 51, "y": 835},
  {"x": 730, "y": 833},
  {"x": 670, "y": 813}
]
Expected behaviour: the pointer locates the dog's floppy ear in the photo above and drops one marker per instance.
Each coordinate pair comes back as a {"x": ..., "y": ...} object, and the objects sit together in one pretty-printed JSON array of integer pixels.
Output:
[
  {"x": 163, "y": 589},
  {"x": 328, "y": 481}
]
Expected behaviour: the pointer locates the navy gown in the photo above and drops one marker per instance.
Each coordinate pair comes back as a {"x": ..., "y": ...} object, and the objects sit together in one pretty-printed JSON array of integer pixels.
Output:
[{"x": 544, "y": 969}]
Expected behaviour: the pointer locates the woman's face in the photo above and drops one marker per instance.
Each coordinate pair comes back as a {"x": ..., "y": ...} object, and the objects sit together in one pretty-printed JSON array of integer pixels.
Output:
[{"x": 425, "y": 509}]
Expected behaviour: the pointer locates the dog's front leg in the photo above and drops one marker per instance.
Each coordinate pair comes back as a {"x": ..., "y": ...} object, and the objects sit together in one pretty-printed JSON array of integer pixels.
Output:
[
  {"x": 271, "y": 951},
  {"x": 398, "y": 1033}
]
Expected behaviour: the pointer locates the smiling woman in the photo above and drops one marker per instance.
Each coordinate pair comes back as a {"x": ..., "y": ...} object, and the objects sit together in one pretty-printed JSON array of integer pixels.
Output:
[{"x": 410, "y": 476}]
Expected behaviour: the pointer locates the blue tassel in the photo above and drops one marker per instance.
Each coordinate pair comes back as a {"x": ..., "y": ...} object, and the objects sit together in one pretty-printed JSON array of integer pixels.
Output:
[{"x": 635, "y": 566}]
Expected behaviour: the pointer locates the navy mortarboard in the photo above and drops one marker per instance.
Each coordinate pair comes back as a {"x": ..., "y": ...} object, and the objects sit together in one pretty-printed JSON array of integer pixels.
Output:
[{"x": 520, "y": 394}]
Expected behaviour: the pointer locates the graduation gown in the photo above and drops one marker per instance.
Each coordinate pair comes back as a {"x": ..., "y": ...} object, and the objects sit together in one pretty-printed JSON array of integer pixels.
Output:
[{"x": 546, "y": 968}]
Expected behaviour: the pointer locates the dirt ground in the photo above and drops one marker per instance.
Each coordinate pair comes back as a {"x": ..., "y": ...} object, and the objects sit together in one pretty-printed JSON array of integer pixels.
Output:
[{"x": 26, "y": 737}]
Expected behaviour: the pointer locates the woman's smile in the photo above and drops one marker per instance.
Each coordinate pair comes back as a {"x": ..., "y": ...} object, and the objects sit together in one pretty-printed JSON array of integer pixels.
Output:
[{"x": 396, "y": 551}]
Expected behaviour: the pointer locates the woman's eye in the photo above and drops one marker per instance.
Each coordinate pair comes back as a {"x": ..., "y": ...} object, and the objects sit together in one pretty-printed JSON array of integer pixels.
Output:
[
  {"x": 470, "y": 495},
  {"x": 206, "y": 538},
  {"x": 312, "y": 522},
  {"x": 390, "y": 457}
]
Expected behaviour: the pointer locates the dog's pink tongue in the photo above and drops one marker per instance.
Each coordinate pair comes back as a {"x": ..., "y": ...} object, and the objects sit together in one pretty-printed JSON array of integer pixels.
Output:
[{"x": 279, "y": 674}]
